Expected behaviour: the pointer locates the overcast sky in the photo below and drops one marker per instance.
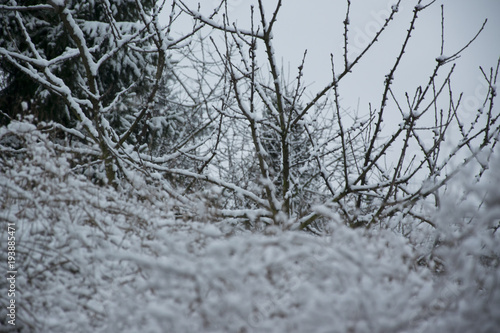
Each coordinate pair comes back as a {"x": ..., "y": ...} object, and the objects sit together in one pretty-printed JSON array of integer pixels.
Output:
[{"x": 317, "y": 26}]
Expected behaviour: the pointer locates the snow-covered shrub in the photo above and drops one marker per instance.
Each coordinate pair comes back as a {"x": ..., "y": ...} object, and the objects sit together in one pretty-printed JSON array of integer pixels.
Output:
[
  {"x": 467, "y": 246},
  {"x": 63, "y": 223},
  {"x": 167, "y": 248},
  {"x": 98, "y": 259}
]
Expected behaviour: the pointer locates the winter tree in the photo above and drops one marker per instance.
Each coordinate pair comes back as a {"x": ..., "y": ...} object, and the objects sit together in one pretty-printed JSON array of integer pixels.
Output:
[
  {"x": 94, "y": 68},
  {"x": 158, "y": 175},
  {"x": 350, "y": 174}
]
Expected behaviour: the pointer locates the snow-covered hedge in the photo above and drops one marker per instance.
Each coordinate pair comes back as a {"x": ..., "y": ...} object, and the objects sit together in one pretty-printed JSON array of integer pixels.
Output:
[{"x": 95, "y": 259}]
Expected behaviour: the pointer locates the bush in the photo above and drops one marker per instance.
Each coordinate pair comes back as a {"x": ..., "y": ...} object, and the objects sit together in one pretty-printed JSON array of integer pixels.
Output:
[{"x": 93, "y": 258}]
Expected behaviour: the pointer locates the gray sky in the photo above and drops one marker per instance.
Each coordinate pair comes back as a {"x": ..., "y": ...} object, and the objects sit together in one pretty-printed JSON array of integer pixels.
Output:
[{"x": 317, "y": 26}]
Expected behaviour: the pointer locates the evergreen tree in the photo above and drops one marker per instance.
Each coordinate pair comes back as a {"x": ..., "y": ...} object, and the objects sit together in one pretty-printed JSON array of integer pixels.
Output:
[{"x": 101, "y": 22}]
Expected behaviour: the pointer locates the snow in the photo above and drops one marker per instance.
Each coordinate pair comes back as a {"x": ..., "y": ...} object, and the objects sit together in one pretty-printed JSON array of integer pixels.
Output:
[
  {"x": 97, "y": 259},
  {"x": 442, "y": 58},
  {"x": 214, "y": 250},
  {"x": 81, "y": 42},
  {"x": 59, "y": 3}
]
